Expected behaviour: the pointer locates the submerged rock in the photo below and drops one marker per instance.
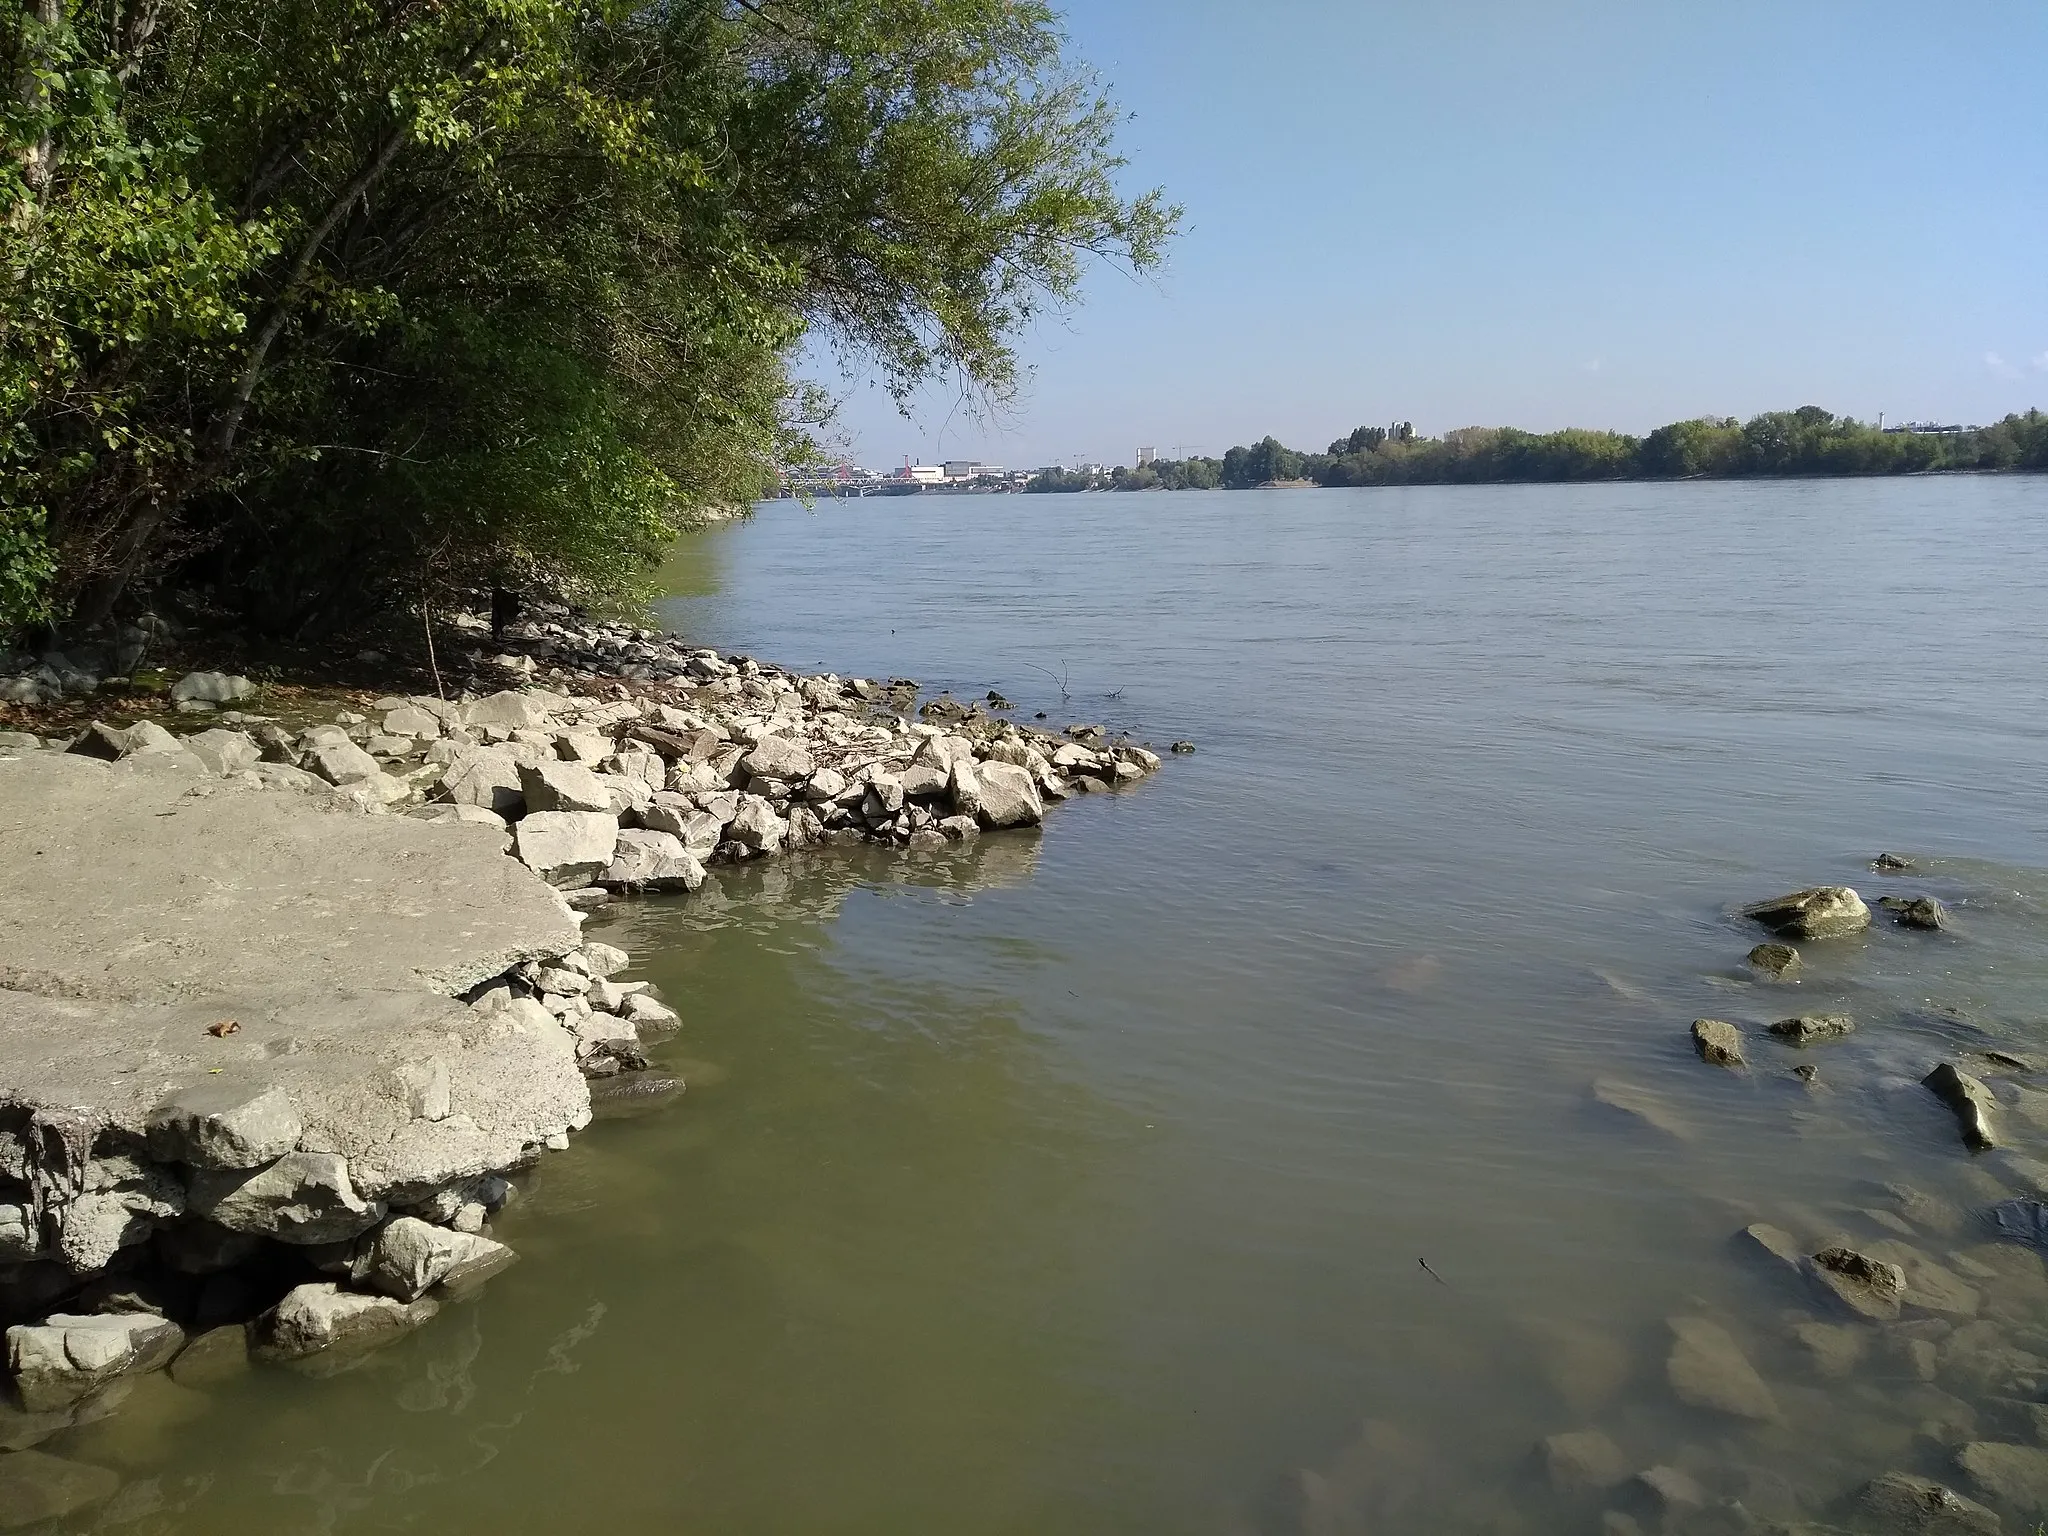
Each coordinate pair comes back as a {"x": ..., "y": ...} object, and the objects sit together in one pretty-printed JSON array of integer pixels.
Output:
[
  {"x": 1969, "y": 1099},
  {"x": 1764, "y": 1240},
  {"x": 1777, "y": 962},
  {"x": 1821, "y": 912},
  {"x": 1890, "y": 863},
  {"x": 1915, "y": 912},
  {"x": 65, "y": 1357},
  {"x": 1707, "y": 1369},
  {"x": 319, "y": 1317},
  {"x": 1718, "y": 1042},
  {"x": 1641, "y": 1106},
  {"x": 2023, "y": 1221},
  {"x": 1918, "y": 1506},
  {"x": 2012, "y": 1474},
  {"x": 1867, "y": 1287},
  {"x": 35, "y": 1487},
  {"x": 1581, "y": 1461},
  {"x": 1809, "y": 1028}
]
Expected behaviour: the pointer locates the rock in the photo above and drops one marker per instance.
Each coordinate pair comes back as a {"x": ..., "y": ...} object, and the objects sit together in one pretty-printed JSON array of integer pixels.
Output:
[
  {"x": 66, "y": 1356},
  {"x": 1009, "y": 796},
  {"x": 211, "y": 688},
  {"x": 1915, "y": 912},
  {"x": 554, "y": 785},
  {"x": 1673, "y": 1489},
  {"x": 605, "y": 959},
  {"x": 342, "y": 762},
  {"x": 409, "y": 1258},
  {"x": 645, "y": 1013},
  {"x": 1890, "y": 863},
  {"x": 775, "y": 757},
  {"x": 411, "y": 720},
  {"x": 321, "y": 1316},
  {"x": 1969, "y": 1099},
  {"x": 1582, "y": 1461},
  {"x": 222, "y": 1124},
  {"x": 2014, "y": 1475},
  {"x": 1822, "y": 912},
  {"x": 1707, "y": 1369},
  {"x": 964, "y": 788},
  {"x": 427, "y": 1089},
  {"x": 509, "y": 709},
  {"x": 1718, "y": 1042},
  {"x": 2023, "y": 1221},
  {"x": 35, "y": 1487},
  {"x": 1640, "y": 1105},
  {"x": 1865, "y": 1286},
  {"x": 921, "y": 781},
  {"x": 223, "y": 751},
  {"x": 1835, "y": 1349},
  {"x": 1810, "y": 1028},
  {"x": 1929, "y": 1287},
  {"x": 1778, "y": 962},
  {"x": 567, "y": 848},
  {"x": 756, "y": 826},
  {"x": 1774, "y": 1243},
  {"x": 651, "y": 861},
  {"x": 486, "y": 777},
  {"x": 1901, "y": 1503},
  {"x": 1182, "y": 747},
  {"x": 303, "y": 1197},
  {"x": 215, "y": 1356}
]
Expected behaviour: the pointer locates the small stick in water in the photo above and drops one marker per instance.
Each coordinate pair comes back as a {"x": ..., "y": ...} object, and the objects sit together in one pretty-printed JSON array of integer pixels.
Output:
[{"x": 1439, "y": 1279}]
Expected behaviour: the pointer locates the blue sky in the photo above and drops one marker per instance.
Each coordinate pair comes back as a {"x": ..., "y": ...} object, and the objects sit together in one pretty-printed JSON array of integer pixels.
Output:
[{"x": 1543, "y": 214}]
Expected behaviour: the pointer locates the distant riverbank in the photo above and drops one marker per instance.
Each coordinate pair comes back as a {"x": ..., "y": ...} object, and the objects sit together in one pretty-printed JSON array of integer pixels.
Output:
[{"x": 1806, "y": 442}]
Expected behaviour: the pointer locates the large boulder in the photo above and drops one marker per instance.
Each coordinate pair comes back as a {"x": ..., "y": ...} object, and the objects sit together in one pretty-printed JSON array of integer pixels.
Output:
[
  {"x": 509, "y": 709},
  {"x": 211, "y": 688},
  {"x": 776, "y": 757},
  {"x": 2015, "y": 1475},
  {"x": 220, "y": 1124},
  {"x": 341, "y": 761},
  {"x": 486, "y": 777},
  {"x": 412, "y": 720},
  {"x": 1009, "y": 796},
  {"x": 224, "y": 752},
  {"x": 567, "y": 848},
  {"x": 1718, "y": 1042},
  {"x": 66, "y": 1357},
  {"x": 651, "y": 861},
  {"x": 755, "y": 825},
  {"x": 410, "y": 1257},
  {"x": 1822, "y": 912},
  {"x": 315, "y": 1318},
  {"x": 303, "y": 1197},
  {"x": 554, "y": 785}
]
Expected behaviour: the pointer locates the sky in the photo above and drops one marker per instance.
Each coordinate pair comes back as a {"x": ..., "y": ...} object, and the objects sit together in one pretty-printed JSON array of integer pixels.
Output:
[{"x": 1538, "y": 213}]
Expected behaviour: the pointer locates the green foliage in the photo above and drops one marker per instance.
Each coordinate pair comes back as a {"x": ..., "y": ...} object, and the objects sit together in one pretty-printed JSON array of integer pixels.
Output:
[
  {"x": 1808, "y": 441},
  {"x": 332, "y": 301}
]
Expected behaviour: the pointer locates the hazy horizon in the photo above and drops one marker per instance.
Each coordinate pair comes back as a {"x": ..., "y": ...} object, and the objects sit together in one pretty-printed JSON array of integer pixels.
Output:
[{"x": 1594, "y": 216}]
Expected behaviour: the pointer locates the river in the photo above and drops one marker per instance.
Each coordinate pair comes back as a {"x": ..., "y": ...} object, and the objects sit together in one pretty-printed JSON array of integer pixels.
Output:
[{"x": 1083, "y": 1181}]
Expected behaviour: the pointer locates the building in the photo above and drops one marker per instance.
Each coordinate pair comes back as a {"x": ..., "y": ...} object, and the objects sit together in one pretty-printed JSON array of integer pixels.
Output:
[
  {"x": 972, "y": 469},
  {"x": 1147, "y": 456},
  {"x": 922, "y": 474}
]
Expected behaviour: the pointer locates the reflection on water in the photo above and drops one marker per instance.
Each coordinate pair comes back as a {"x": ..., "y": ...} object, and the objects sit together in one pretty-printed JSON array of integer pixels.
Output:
[{"x": 1228, "y": 1157}]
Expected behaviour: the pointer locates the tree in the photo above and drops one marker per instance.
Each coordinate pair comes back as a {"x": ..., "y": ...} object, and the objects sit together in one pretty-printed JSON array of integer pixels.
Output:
[{"x": 408, "y": 292}]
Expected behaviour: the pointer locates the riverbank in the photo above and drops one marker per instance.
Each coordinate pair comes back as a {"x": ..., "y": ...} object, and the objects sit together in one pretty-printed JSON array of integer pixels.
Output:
[{"x": 289, "y": 1009}]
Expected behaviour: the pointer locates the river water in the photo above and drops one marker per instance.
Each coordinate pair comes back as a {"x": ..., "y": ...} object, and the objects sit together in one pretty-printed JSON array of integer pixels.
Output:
[{"x": 1082, "y": 1181}]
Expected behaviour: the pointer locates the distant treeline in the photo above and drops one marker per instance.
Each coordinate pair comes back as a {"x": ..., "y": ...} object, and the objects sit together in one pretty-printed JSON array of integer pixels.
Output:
[{"x": 1808, "y": 441}]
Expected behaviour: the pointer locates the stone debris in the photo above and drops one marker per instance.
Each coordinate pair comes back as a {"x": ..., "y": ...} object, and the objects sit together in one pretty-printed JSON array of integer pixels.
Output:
[
  {"x": 1863, "y": 1286},
  {"x": 1970, "y": 1100},
  {"x": 1822, "y": 912},
  {"x": 1718, "y": 1042},
  {"x": 1811, "y": 1028},
  {"x": 1776, "y": 962},
  {"x": 1917, "y": 1506},
  {"x": 1916, "y": 911}
]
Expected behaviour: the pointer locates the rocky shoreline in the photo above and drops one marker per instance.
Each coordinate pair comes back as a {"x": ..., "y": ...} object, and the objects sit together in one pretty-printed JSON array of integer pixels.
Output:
[{"x": 292, "y": 1004}]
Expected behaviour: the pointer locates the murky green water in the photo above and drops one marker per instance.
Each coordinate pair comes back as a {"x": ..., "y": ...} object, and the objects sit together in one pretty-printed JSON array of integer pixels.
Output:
[{"x": 1080, "y": 1182}]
